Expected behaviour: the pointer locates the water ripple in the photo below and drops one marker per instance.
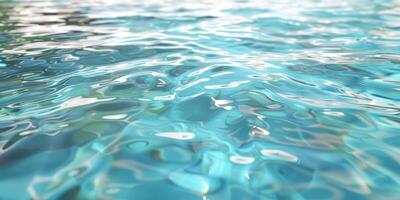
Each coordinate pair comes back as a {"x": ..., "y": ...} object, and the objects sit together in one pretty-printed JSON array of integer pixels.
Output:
[{"x": 265, "y": 99}]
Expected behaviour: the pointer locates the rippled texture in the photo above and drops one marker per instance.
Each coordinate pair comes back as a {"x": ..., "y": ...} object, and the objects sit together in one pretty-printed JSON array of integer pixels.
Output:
[{"x": 209, "y": 100}]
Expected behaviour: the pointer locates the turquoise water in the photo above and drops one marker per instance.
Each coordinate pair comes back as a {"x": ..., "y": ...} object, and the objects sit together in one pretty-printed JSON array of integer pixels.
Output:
[{"x": 207, "y": 100}]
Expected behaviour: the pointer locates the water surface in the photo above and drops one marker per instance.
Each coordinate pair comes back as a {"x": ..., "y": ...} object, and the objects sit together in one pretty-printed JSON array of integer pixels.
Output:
[{"x": 207, "y": 100}]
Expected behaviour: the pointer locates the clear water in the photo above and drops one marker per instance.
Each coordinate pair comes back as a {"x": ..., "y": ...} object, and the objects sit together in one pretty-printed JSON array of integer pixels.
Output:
[{"x": 242, "y": 100}]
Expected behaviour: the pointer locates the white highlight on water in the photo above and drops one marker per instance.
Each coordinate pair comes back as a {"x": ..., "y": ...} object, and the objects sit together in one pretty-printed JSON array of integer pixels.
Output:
[
  {"x": 241, "y": 160},
  {"x": 118, "y": 116},
  {"x": 80, "y": 101},
  {"x": 177, "y": 135},
  {"x": 279, "y": 154}
]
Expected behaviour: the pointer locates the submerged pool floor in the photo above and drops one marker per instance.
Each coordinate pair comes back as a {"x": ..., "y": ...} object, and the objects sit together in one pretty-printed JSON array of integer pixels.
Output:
[{"x": 207, "y": 100}]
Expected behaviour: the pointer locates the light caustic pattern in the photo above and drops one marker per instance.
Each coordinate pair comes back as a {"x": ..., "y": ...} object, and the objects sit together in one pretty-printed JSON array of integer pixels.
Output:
[{"x": 271, "y": 99}]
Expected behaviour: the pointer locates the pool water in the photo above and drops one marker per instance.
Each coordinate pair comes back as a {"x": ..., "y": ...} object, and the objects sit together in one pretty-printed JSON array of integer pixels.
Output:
[{"x": 208, "y": 100}]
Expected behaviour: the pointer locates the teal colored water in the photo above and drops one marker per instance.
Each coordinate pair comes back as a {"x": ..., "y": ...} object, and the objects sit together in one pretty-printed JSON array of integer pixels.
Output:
[{"x": 207, "y": 100}]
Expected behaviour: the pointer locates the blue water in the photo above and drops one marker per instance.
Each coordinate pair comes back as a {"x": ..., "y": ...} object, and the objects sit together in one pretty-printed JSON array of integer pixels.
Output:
[{"x": 207, "y": 100}]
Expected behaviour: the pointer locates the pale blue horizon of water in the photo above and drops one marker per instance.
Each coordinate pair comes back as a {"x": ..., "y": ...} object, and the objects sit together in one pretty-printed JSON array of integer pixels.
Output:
[{"x": 205, "y": 100}]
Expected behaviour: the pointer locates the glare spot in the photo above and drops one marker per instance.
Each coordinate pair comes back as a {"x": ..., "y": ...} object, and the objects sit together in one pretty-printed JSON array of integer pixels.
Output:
[
  {"x": 177, "y": 135},
  {"x": 242, "y": 160},
  {"x": 279, "y": 154},
  {"x": 25, "y": 133},
  {"x": 119, "y": 116},
  {"x": 258, "y": 131},
  {"x": 165, "y": 98},
  {"x": 122, "y": 79},
  {"x": 220, "y": 103},
  {"x": 80, "y": 101},
  {"x": 229, "y": 85},
  {"x": 331, "y": 113}
]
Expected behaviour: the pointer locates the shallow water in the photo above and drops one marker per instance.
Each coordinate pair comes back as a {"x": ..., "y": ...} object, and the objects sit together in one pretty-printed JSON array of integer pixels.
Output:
[{"x": 224, "y": 99}]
